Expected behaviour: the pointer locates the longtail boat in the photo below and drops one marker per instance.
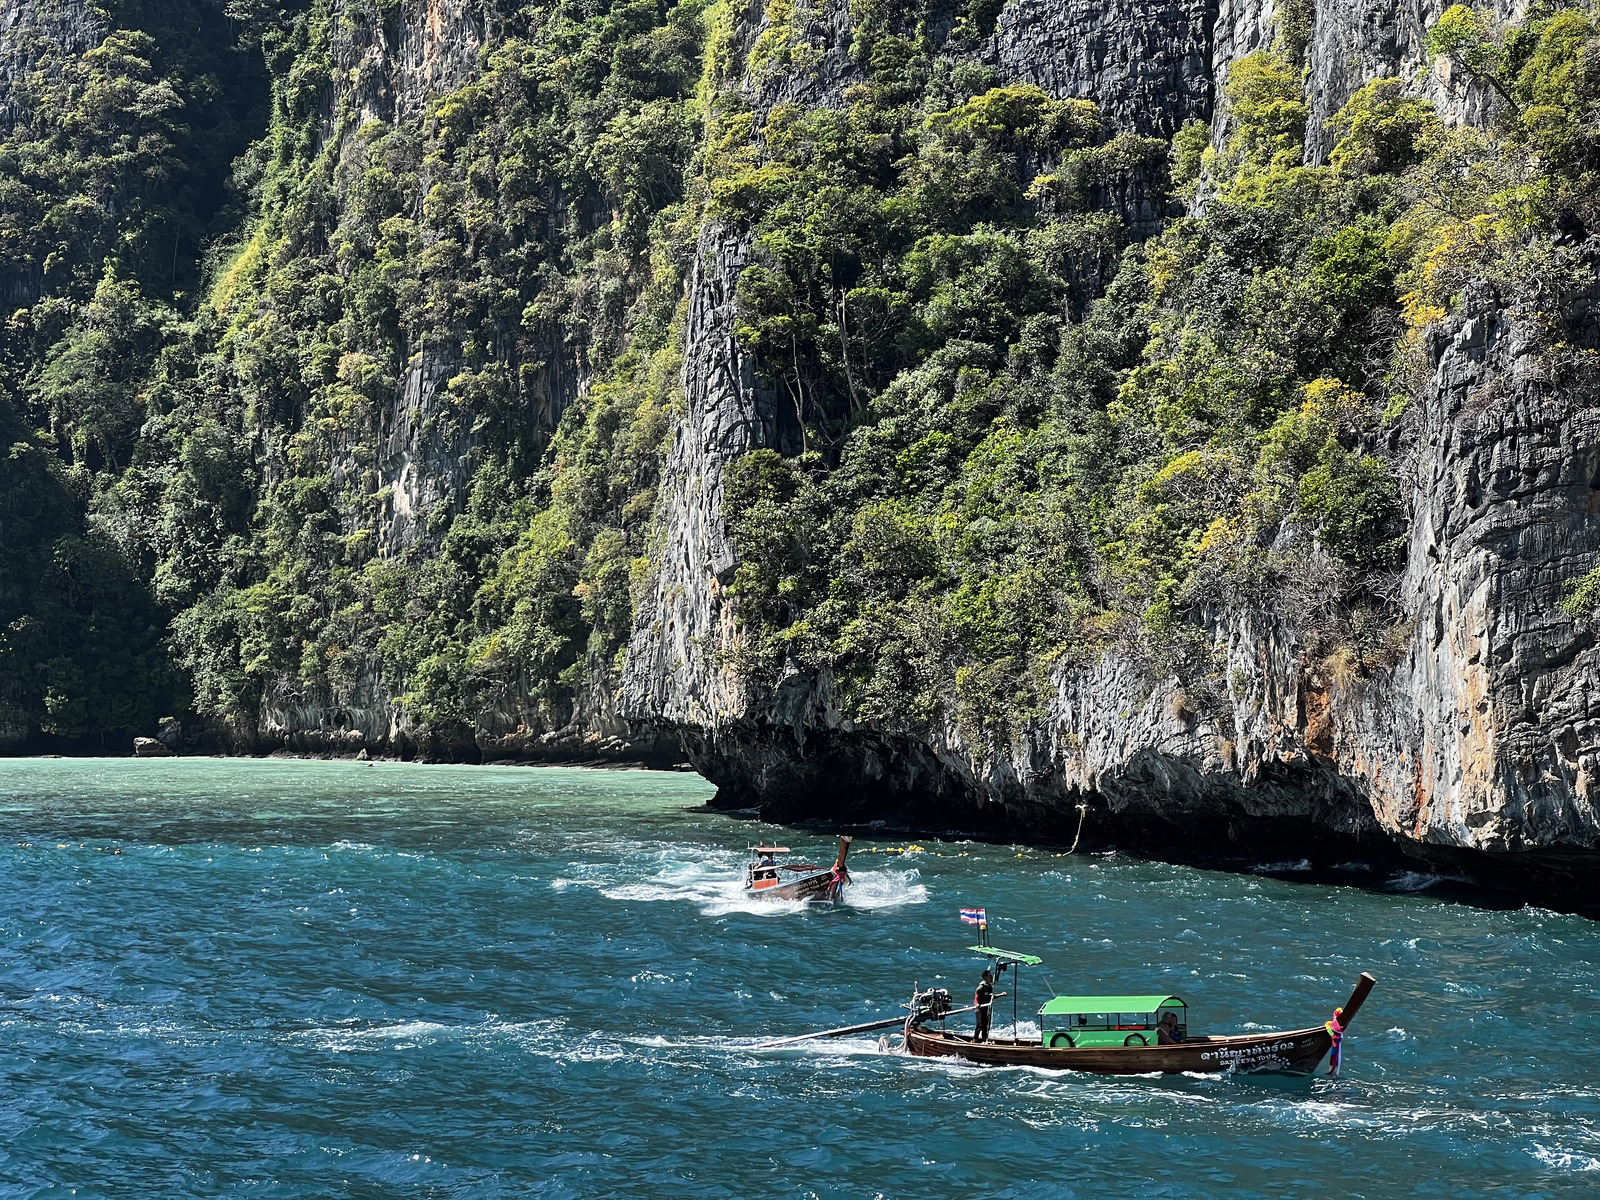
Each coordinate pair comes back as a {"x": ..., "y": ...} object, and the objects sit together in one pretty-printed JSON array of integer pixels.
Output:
[
  {"x": 764, "y": 879},
  {"x": 1124, "y": 1035},
  {"x": 1109, "y": 1035}
]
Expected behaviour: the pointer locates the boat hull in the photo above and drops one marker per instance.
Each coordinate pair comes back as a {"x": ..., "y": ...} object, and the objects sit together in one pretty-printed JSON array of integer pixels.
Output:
[
  {"x": 1294, "y": 1052},
  {"x": 823, "y": 886}
]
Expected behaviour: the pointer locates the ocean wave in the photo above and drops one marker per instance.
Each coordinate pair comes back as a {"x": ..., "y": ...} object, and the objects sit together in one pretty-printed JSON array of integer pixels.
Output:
[
  {"x": 402, "y": 1035},
  {"x": 548, "y": 1037},
  {"x": 1565, "y": 1160},
  {"x": 716, "y": 897}
]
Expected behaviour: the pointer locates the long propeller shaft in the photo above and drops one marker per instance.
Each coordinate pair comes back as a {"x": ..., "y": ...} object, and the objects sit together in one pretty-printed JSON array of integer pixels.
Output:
[{"x": 844, "y": 1030}]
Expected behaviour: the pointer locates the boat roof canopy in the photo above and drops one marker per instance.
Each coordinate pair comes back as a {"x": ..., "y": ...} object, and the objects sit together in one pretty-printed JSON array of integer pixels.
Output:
[
  {"x": 770, "y": 849},
  {"x": 1009, "y": 955},
  {"x": 1064, "y": 1005}
]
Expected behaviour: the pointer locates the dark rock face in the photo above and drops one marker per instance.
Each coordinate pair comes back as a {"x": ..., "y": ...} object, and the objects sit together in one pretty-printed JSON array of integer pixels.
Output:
[
  {"x": 1494, "y": 700},
  {"x": 29, "y": 27},
  {"x": 1352, "y": 42},
  {"x": 671, "y": 673},
  {"x": 391, "y": 69},
  {"x": 1147, "y": 63}
]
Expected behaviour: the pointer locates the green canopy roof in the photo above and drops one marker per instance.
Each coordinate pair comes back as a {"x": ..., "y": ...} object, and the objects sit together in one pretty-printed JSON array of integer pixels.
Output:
[
  {"x": 1027, "y": 960},
  {"x": 1063, "y": 1005}
]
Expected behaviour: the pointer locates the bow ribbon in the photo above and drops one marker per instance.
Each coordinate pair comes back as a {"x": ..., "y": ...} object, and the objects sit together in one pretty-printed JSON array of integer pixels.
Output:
[{"x": 1336, "y": 1032}]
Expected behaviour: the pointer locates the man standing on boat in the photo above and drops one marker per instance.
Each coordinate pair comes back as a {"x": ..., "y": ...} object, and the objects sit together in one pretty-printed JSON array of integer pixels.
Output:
[{"x": 983, "y": 998}]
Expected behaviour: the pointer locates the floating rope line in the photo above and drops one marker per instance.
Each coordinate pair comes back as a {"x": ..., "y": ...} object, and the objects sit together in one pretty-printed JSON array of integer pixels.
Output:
[{"x": 1083, "y": 811}]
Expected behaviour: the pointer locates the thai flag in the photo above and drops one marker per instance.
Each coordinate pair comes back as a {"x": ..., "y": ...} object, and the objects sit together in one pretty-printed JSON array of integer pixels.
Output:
[{"x": 974, "y": 916}]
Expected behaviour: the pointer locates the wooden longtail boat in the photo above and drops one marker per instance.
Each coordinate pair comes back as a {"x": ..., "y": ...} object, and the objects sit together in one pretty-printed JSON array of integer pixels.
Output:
[
  {"x": 1289, "y": 1052},
  {"x": 763, "y": 878}
]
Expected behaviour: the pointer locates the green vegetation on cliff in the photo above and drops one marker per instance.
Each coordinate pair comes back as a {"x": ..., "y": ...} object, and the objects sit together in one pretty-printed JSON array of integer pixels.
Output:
[
  {"x": 528, "y": 227},
  {"x": 322, "y": 393},
  {"x": 523, "y": 228},
  {"x": 1010, "y": 474}
]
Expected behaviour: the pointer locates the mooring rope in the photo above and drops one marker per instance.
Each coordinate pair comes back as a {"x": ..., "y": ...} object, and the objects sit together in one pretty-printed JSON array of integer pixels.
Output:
[{"x": 1083, "y": 811}]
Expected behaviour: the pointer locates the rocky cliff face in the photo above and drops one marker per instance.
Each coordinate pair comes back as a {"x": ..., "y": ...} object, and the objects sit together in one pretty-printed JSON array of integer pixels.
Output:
[
  {"x": 1149, "y": 64},
  {"x": 672, "y": 675},
  {"x": 393, "y": 69},
  {"x": 30, "y": 28},
  {"x": 1476, "y": 745},
  {"x": 29, "y": 33},
  {"x": 1475, "y": 741},
  {"x": 1480, "y": 736},
  {"x": 1483, "y": 737},
  {"x": 1476, "y": 750},
  {"x": 388, "y": 66},
  {"x": 1356, "y": 41}
]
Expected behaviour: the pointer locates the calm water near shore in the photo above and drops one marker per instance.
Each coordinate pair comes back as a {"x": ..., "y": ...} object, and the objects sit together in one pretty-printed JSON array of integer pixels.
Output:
[{"x": 298, "y": 979}]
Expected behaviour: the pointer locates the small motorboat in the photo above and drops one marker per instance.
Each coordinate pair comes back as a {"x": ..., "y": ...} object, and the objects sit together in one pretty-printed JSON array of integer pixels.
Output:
[{"x": 764, "y": 877}]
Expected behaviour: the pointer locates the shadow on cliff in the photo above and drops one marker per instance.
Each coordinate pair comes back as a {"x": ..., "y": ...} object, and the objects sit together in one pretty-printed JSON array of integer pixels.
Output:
[{"x": 1322, "y": 834}]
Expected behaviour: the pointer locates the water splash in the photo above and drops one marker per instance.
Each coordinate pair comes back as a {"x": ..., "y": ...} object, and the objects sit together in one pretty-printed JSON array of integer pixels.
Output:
[{"x": 885, "y": 889}]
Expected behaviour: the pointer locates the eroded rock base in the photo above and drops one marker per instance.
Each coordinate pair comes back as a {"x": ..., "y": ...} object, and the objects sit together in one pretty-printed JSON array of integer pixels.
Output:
[{"x": 1301, "y": 822}]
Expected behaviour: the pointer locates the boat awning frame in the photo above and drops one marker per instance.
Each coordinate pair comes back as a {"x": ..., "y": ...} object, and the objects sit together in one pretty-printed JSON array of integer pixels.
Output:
[
  {"x": 995, "y": 952},
  {"x": 1060, "y": 1006}
]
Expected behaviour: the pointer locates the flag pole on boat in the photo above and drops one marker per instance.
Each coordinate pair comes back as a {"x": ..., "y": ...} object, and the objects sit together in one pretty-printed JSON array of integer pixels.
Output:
[{"x": 1002, "y": 959}]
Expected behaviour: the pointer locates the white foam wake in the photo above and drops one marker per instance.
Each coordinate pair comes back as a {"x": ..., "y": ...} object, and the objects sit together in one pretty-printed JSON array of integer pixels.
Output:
[
  {"x": 714, "y": 881},
  {"x": 885, "y": 889}
]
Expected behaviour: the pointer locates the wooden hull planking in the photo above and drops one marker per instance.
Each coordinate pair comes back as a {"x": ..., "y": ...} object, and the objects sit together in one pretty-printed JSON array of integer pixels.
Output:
[
  {"x": 823, "y": 886},
  {"x": 1295, "y": 1052}
]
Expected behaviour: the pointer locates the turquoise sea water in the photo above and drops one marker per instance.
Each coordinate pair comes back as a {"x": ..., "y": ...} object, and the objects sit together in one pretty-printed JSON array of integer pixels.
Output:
[{"x": 303, "y": 979}]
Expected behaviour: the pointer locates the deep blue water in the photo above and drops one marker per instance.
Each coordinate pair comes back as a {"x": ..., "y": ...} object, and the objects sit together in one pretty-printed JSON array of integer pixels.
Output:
[{"x": 332, "y": 979}]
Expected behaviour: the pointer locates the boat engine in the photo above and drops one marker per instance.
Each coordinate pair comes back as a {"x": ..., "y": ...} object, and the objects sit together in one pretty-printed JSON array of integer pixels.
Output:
[{"x": 930, "y": 1005}]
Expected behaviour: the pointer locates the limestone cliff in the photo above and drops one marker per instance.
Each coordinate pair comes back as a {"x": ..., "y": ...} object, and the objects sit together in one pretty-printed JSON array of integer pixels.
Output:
[
  {"x": 1481, "y": 737},
  {"x": 1477, "y": 744},
  {"x": 387, "y": 69},
  {"x": 1470, "y": 740}
]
